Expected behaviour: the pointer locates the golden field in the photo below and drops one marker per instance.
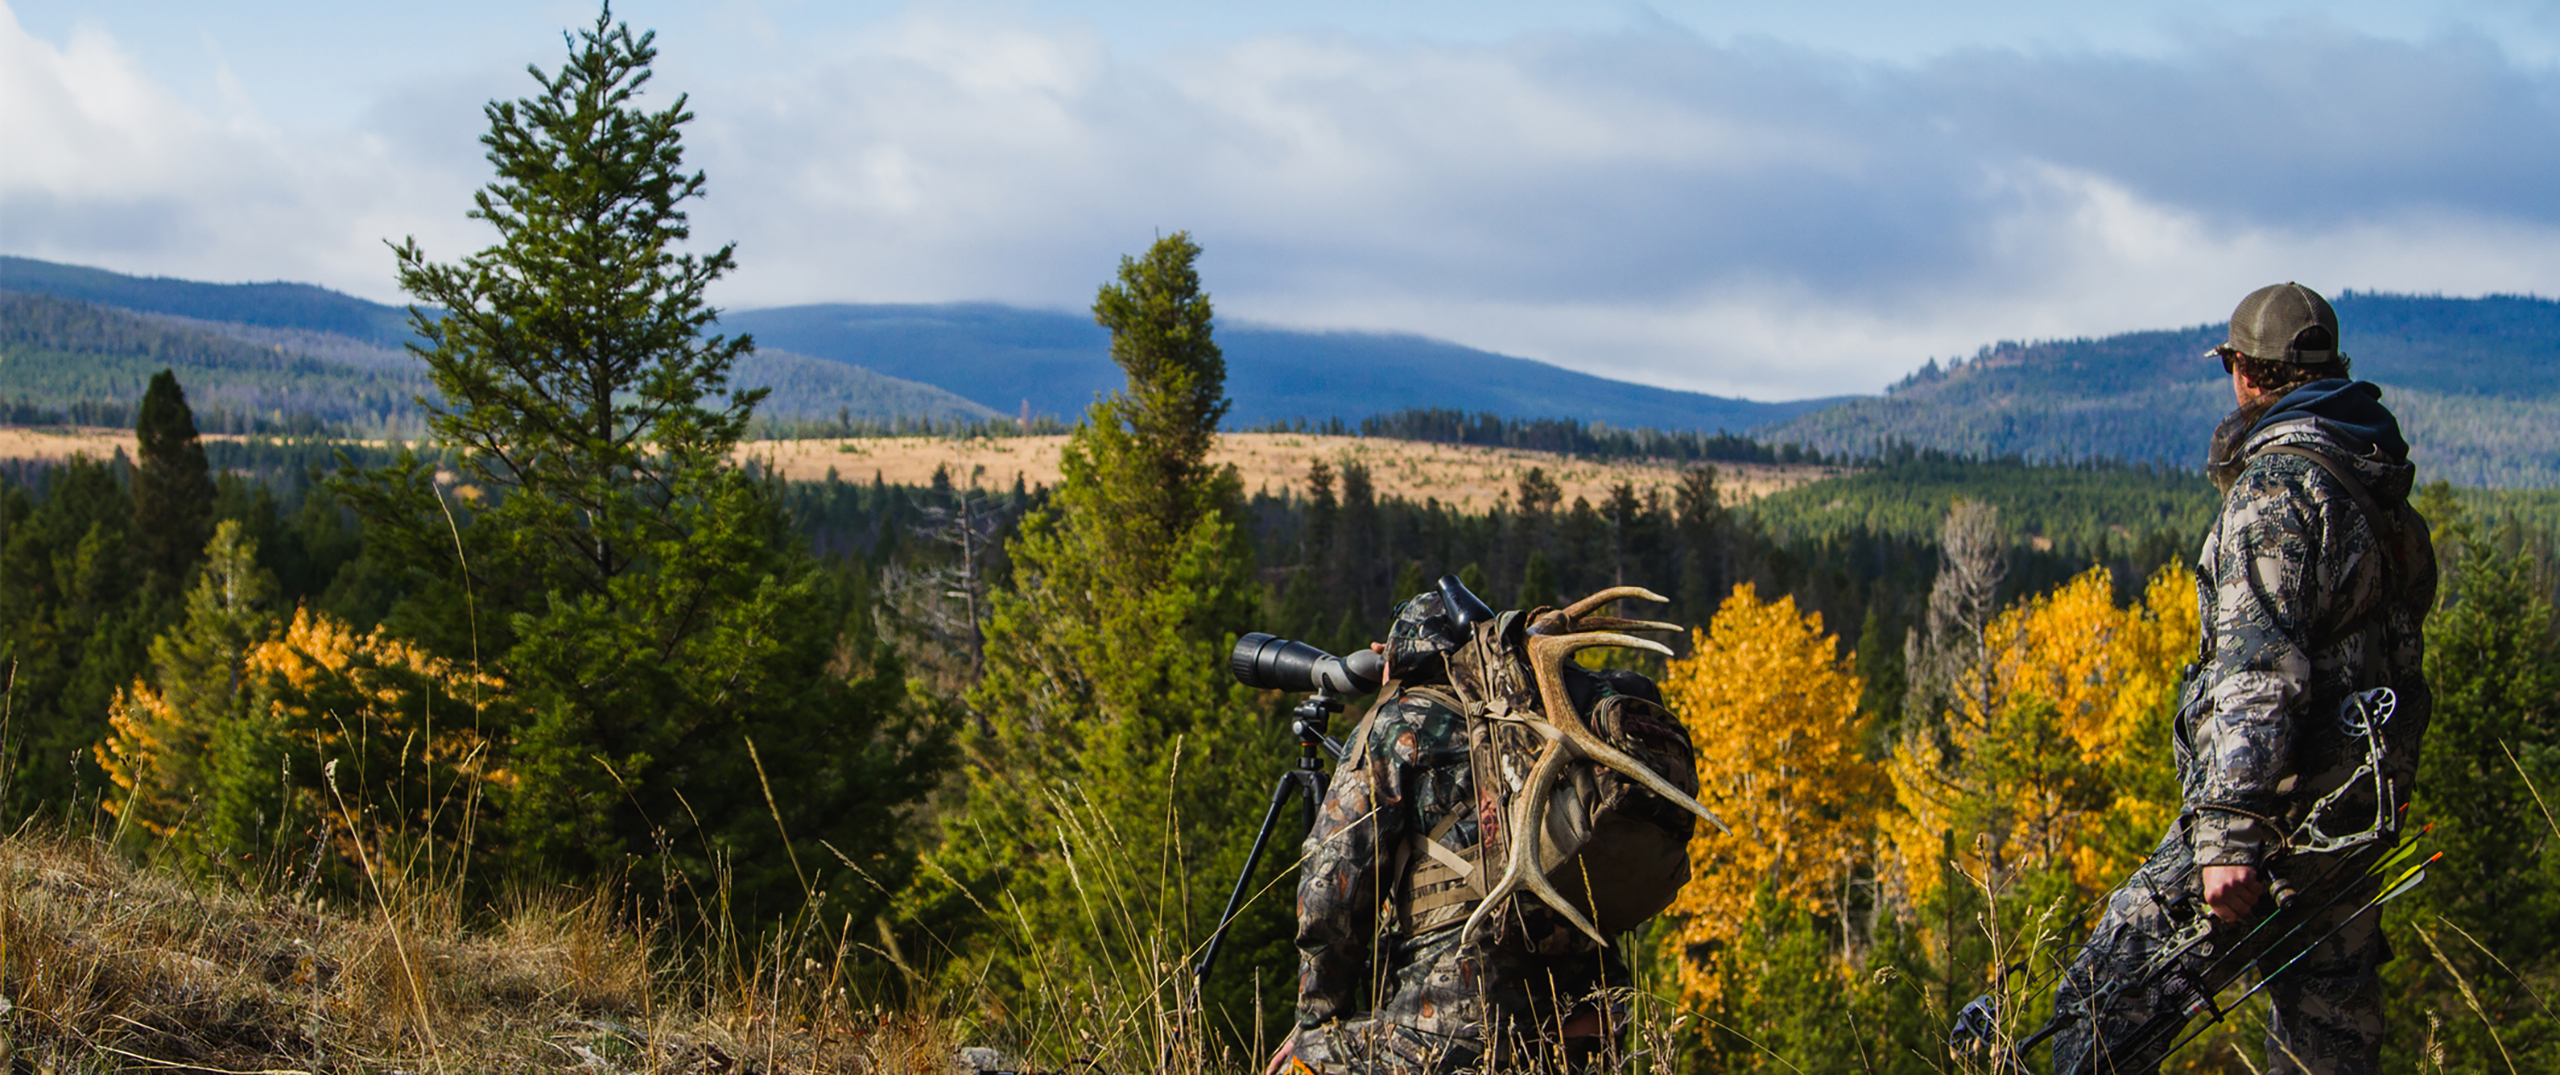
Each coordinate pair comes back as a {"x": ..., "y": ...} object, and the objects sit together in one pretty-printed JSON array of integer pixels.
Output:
[{"x": 1472, "y": 478}]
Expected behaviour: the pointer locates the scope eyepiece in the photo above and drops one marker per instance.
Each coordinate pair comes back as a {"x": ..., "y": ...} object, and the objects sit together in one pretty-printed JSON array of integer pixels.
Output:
[{"x": 1269, "y": 662}]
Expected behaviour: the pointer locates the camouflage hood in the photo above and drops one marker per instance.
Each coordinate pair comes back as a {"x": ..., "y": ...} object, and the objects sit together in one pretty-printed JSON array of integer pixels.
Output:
[{"x": 2342, "y": 419}]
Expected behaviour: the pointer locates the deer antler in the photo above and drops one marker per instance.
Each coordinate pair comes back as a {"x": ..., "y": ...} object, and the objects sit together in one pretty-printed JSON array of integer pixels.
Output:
[
  {"x": 1568, "y": 735},
  {"x": 1546, "y": 660},
  {"x": 1612, "y": 623},
  {"x": 1614, "y": 593},
  {"x": 1528, "y": 825}
]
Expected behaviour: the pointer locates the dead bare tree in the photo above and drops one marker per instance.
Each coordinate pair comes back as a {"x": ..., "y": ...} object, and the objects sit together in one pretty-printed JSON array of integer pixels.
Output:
[
  {"x": 1953, "y": 662},
  {"x": 941, "y": 600}
]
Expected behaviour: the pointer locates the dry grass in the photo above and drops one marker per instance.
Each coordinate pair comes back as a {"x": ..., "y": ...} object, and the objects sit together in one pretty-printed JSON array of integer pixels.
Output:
[
  {"x": 106, "y": 966},
  {"x": 1471, "y": 478}
]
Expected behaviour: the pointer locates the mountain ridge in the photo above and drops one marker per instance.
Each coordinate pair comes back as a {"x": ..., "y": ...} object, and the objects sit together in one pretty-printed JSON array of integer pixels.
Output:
[
  {"x": 996, "y": 356},
  {"x": 1058, "y": 362},
  {"x": 2475, "y": 382}
]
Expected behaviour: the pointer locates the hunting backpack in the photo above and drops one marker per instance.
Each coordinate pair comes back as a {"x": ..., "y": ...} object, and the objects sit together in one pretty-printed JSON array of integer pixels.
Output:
[{"x": 1564, "y": 816}]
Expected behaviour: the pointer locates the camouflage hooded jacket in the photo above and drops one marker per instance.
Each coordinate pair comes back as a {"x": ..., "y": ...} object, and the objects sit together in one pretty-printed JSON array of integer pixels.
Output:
[{"x": 2302, "y": 603}]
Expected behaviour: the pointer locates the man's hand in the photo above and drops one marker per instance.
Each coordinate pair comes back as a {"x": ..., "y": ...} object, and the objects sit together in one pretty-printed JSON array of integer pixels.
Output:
[{"x": 2232, "y": 890}]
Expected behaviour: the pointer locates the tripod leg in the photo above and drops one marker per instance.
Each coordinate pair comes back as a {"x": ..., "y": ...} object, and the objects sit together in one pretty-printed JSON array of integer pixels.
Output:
[
  {"x": 1312, "y": 786},
  {"x": 1270, "y": 816}
]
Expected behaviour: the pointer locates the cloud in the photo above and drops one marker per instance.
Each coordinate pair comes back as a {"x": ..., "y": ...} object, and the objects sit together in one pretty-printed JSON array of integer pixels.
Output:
[
  {"x": 107, "y": 166},
  {"x": 1741, "y": 216}
]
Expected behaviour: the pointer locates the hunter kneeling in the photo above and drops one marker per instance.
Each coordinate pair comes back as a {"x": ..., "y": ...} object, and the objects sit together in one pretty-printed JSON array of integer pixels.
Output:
[{"x": 1485, "y": 952}]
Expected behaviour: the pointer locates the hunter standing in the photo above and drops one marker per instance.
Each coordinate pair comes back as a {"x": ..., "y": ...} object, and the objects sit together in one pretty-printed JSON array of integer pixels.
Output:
[{"x": 2312, "y": 589}]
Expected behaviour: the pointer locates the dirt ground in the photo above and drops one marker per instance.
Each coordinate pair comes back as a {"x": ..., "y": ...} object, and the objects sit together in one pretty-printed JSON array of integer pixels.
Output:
[{"x": 1473, "y": 478}]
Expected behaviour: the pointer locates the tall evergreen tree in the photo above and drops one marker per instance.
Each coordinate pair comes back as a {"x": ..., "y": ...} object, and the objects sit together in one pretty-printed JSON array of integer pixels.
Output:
[
  {"x": 674, "y": 652},
  {"x": 164, "y": 731},
  {"x": 1116, "y": 783},
  {"x": 172, "y": 486},
  {"x": 1703, "y": 553},
  {"x": 2493, "y": 662},
  {"x": 75, "y": 626}
]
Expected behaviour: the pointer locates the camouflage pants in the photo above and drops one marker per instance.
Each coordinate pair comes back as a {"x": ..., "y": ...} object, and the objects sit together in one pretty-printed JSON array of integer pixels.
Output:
[
  {"x": 1375, "y": 1046},
  {"x": 1382, "y": 1046},
  {"x": 2123, "y": 1012}
]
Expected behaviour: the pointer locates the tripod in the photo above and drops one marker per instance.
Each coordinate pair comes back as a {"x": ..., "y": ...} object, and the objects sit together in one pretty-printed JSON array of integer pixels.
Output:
[{"x": 1307, "y": 782}]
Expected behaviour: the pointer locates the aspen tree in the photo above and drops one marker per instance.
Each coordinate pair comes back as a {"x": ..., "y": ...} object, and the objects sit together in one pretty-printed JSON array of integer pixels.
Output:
[{"x": 1773, "y": 710}]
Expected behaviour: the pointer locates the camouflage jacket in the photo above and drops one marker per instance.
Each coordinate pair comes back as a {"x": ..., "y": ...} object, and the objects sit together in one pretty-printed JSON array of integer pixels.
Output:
[
  {"x": 1407, "y": 773},
  {"x": 2303, "y": 603}
]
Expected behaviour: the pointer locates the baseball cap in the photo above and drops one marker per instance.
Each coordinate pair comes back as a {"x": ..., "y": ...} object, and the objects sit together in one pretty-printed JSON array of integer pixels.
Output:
[{"x": 2285, "y": 322}]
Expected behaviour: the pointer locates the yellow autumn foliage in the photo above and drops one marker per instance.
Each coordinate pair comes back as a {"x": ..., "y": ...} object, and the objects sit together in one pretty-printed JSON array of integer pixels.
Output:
[
  {"x": 1773, "y": 711},
  {"x": 2068, "y": 766},
  {"x": 406, "y": 725},
  {"x": 148, "y": 740},
  {"x": 400, "y": 734}
]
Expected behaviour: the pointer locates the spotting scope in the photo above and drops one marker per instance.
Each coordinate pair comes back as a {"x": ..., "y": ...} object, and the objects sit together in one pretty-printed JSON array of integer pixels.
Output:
[{"x": 1269, "y": 662}]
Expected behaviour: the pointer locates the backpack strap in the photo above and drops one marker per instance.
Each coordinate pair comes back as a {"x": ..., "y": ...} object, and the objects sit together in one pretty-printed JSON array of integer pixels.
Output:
[
  {"x": 1443, "y": 885},
  {"x": 2373, "y": 513},
  {"x": 2385, "y": 530}
]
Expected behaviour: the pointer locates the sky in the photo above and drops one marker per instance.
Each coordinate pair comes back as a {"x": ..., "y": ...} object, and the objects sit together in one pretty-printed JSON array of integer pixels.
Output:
[{"x": 1770, "y": 200}]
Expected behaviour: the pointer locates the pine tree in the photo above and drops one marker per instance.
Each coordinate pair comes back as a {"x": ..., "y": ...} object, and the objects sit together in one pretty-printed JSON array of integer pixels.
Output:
[
  {"x": 2482, "y": 929},
  {"x": 172, "y": 485},
  {"x": 76, "y": 625},
  {"x": 2493, "y": 663},
  {"x": 673, "y": 649},
  {"x": 164, "y": 730},
  {"x": 1113, "y": 793},
  {"x": 1703, "y": 553}
]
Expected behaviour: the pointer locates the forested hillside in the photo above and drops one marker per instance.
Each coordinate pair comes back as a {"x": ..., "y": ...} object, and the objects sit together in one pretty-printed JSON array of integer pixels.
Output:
[
  {"x": 273, "y": 305},
  {"x": 913, "y": 572},
  {"x": 2476, "y": 383},
  {"x": 63, "y": 359},
  {"x": 57, "y": 354},
  {"x": 881, "y": 364}
]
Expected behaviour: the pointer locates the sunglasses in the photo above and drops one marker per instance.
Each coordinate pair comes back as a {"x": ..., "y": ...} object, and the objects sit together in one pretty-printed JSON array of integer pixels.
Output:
[{"x": 2227, "y": 354}]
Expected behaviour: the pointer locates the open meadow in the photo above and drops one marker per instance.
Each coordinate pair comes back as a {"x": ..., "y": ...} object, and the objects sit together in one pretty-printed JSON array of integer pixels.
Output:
[{"x": 1463, "y": 477}]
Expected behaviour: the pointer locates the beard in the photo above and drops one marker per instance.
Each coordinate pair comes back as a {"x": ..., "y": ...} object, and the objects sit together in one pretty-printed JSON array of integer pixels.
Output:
[{"x": 2222, "y": 459}]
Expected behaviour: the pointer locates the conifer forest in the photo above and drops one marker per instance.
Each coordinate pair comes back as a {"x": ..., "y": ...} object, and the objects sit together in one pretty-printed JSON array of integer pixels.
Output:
[{"x": 554, "y": 737}]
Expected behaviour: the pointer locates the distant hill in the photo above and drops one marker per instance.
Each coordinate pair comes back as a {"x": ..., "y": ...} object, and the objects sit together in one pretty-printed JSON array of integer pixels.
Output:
[
  {"x": 2475, "y": 382},
  {"x": 266, "y": 355},
  {"x": 275, "y": 305},
  {"x": 57, "y": 354},
  {"x": 1003, "y": 355},
  {"x": 991, "y": 358},
  {"x": 806, "y": 387}
]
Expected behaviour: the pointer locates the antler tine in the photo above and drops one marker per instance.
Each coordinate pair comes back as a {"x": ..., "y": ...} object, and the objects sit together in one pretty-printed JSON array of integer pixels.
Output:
[
  {"x": 1528, "y": 827},
  {"x": 1581, "y": 640},
  {"x": 1614, "y": 593},
  {"x": 1612, "y": 623},
  {"x": 1535, "y": 880},
  {"x": 1547, "y": 654}
]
